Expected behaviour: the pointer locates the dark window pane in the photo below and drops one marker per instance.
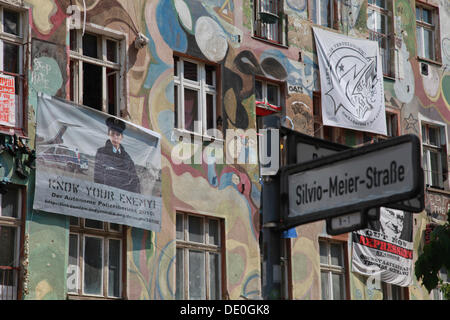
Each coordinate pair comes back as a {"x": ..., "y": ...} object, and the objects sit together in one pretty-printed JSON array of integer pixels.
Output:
[
  {"x": 114, "y": 268},
  {"x": 7, "y": 245},
  {"x": 272, "y": 94},
  {"x": 175, "y": 93},
  {"x": 191, "y": 113},
  {"x": 93, "y": 263},
  {"x": 214, "y": 232},
  {"x": 111, "y": 50},
  {"x": 114, "y": 227},
  {"x": 90, "y": 45},
  {"x": 209, "y": 111},
  {"x": 190, "y": 71},
  {"x": 175, "y": 65},
  {"x": 112, "y": 91},
  {"x": 210, "y": 75},
  {"x": 11, "y": 20},
  {"x": 196, "y": 229},
  {"x": 9, "y": 203},
  {"x": 92, "y": 86},
  {"x": 258, "y": 91},
  {"x": 74, "y": 221},
  {"x": 72, "y": 278},
  {"x": 179, "y": 293},
  {"x": 214, "y": 276},
  {"x": 94, "y": 224},
  {"x": 10, "y": 57},
  {"x": 73, "y": 39},
  {"x": 179, "y": 227}
]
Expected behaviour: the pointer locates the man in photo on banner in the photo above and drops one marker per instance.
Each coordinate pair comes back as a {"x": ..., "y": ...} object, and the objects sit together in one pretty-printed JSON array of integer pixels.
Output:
[{"x": 113, "y": 165}]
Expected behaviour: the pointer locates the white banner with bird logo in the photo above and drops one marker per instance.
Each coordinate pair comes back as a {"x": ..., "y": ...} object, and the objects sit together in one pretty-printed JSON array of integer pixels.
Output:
[{"x": 351, "y": 80}]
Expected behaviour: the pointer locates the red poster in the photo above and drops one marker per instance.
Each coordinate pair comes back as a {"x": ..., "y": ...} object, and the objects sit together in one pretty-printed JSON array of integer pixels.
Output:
[{"x": 7, "y": 101}]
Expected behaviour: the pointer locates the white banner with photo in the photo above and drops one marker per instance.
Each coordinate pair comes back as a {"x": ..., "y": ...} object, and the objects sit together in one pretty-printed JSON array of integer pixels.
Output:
[
  {"x": 351, "y": 81},
  {"x": 385, "y": 249},
  {"x": 92, "y": 165}
]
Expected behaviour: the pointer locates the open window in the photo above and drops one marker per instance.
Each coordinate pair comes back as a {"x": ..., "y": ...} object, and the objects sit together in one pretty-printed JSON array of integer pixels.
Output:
[
  {"x": 434, "y": 156},
  {"x": 324, "y": 13},
  {"x": 427, "y": 32},
  {"x": 13, "y": 37},
  {"x": 268, "y": 96},
  {"x": 380, "y": 25},
  {"x": 196, "y": 92},
  {"x": 97, "y": 70}
]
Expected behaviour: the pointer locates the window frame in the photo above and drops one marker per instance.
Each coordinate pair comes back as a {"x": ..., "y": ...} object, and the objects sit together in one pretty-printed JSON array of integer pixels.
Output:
[
  {"x": 21, "y": 40},
  {"x": 18, "y": 224},
  {"x": 388, "y": 54},
  {"x": 202, "y": 88},
  {"x": 81, "y": 231},
  {"x": 317, "y": 19},
  {"x": 186, "y": 246},
  {"x": 76, "y": 56},
  {"x": 334, "y": 269},
  {"x": 263, "y": 31},
  {"x": 388, "y": 289},
  {"x": 440, "y": 149},
  {"x": 422, "y": 25}
]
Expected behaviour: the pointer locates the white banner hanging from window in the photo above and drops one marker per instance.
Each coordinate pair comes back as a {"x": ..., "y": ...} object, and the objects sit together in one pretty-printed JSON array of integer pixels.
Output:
[
  {"x": 351, "y": 80},
  {"x": 385, "y": 249},
  {"x": 96, "y": 166}
]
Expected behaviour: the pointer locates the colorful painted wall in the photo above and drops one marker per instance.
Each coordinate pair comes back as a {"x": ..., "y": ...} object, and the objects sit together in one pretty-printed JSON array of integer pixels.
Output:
[
  {"x": 217, "y": 31},
  {"x": 205, "y": 30}
]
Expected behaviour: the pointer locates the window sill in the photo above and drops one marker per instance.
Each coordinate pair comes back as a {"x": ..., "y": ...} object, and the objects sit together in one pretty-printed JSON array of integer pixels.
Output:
[
  {"x": 182, "y": 132},
  {"x": 388, "y": 77},
  {"x": 435, "y": 190},
  {"x": 433, "y": 62},
  {"x": 280, "y": 45}
]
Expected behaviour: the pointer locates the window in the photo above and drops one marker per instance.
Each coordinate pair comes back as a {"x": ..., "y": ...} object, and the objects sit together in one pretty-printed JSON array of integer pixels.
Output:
[
  {"x": 95, "y": 259},
  {"x": 379, "y": 25},
  {"x": 12, "y": 40},
  {"x": 268, "y": 92},
  {"x": 195, "y": 96},
  {"x": 427, "y": 35},
  {"x": 95, "y": 71},
  {"x": 10, "y": 231},
  {"x": 391, "y": 124},
  {"x": 268, "y": 20},
  {"x": 392, "y": 292},
  {"x": 198, "y": 257},
  {"x": 323, "y": 13},
  {"x": 332, "y": 270},
  {"x": 434, "y": 155}
]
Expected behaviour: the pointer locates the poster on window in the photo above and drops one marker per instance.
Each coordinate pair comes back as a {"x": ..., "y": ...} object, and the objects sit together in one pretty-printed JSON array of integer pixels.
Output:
[
  {"x": 385, "y": 248},
  {"x": 351, "y": 81},
  {"x": 92, "y": 165},
  {"x": 7, "y": 101}
]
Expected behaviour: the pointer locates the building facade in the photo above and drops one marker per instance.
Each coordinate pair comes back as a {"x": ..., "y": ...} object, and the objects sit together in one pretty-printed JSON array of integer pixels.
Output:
[{"x": 192, "y": 69}]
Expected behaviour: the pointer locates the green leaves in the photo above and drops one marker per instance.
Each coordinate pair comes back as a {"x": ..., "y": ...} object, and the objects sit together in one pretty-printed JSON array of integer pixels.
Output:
[{"x": 435, "y": 256}]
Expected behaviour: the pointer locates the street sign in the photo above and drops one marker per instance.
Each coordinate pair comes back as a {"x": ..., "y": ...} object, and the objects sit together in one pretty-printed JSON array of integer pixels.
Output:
[
  {"x": 352, "y": 221},
  {"x": 352, "y": 180},
  {"x": 303, "y": 148}
]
